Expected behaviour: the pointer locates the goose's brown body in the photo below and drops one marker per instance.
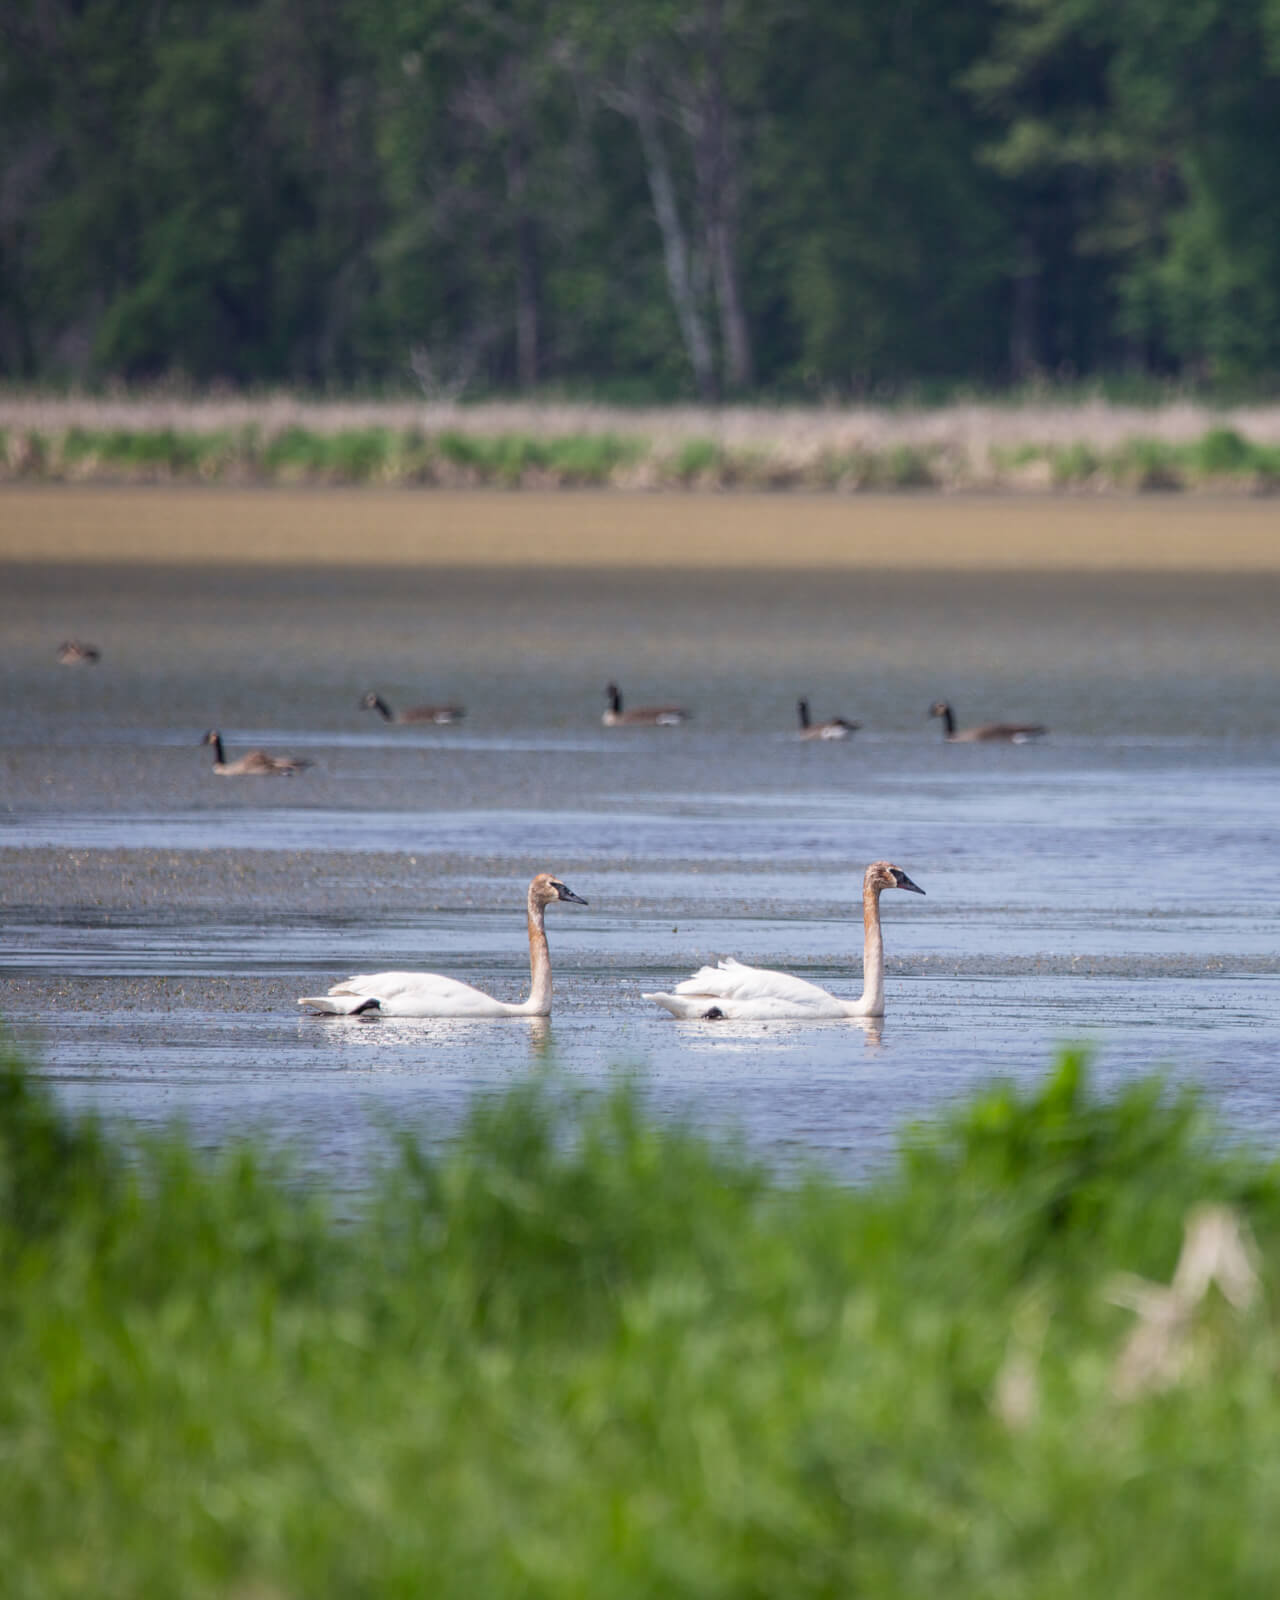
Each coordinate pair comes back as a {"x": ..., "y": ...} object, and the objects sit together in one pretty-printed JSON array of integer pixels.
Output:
[
  {"x": 253, "y": 764},
  {"x": 984, "y": 732},
  {"x": 643, "y": 716}
]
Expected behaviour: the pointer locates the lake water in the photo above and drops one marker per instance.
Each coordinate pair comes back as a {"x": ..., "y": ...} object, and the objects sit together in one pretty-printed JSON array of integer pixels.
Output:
[{"x": 1116, "y": 883}]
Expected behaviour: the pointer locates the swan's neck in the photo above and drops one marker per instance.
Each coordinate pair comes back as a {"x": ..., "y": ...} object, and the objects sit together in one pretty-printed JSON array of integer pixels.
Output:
[
  {"x": 872, "y": 1002},
  {"x": 539, "y": 1002}
]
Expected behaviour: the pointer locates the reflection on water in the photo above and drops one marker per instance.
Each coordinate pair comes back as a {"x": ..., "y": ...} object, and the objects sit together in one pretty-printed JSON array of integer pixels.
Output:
[
  {"x": 435, "y": 1036},
  {"x": 1119, "y": 882}
]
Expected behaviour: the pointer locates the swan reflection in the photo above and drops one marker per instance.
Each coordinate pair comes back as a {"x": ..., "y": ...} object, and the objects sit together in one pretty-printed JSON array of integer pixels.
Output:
[
  {"x": 394, "y": 1036},
  {"x": 730, "y": 1034}
]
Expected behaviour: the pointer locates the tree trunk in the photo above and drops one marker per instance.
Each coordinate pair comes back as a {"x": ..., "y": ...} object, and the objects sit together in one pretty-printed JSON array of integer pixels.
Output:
[
  {"x": 638, "y": 102},
  {"x": 526, "y": 250},
  {"x": 1023, "y": 341},
  {"x": 717, "y": 166}
]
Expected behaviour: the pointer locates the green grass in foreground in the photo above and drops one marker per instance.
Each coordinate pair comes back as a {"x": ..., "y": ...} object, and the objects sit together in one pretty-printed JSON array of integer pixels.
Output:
[
  {"x": 1220, "y": 459},
  {"x": 583, "y": 1355}
]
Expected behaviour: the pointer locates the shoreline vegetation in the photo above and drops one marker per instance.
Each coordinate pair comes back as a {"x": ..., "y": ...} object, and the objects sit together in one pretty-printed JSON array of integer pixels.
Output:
[
  {"x": 579, "y": 1351},
  {"x": 1093, "y": 447}
]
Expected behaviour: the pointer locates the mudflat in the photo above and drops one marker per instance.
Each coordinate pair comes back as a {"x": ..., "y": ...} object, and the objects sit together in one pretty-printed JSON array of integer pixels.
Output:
[{"x": 693, "y": 532}]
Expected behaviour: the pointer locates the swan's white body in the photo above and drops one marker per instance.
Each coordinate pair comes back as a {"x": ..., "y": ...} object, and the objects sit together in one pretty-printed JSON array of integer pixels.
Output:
[
  {"x": 757, "y": 994},
  {"x": 429, "y": 994}
]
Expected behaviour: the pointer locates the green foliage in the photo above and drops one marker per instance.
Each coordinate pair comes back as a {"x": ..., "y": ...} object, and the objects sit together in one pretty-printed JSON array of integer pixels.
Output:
[
  {"x": 907, "y": 467},
  {"x": 696, "y": 458},
  {"x": 378, "y": 194},
  {"x": 1074, "y": 463},
  {"x": 1146, "y": 464},
  {"x": 456, "y": 457},
  {"x": 578, "y": 1352}
]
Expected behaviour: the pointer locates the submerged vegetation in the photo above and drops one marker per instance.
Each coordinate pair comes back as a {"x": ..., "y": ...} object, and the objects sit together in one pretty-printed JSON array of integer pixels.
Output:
[
  {"x": 1220, "y": 459},
  {"x": 579, "y": 1353}
]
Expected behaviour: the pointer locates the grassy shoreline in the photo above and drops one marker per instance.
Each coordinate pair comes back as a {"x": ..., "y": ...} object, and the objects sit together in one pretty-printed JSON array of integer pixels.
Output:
[
  {"x": 577, "y": 1352},
  {"x": 1086, "y": 448}
]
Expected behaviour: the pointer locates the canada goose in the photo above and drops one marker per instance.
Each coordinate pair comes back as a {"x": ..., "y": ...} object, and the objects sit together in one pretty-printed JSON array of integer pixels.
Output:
[
  {"x": 440, "y": 714},
  {"x": 74, "y": 653},
  {"x": 651, "y": 716},
  {"x": 833, "y": 728},
  {"x": 756, "y": 994},
  {"x": 253, "y": 764},
  {"x": 427, "y": 994},
  {"x": 1010, "y": 732}
]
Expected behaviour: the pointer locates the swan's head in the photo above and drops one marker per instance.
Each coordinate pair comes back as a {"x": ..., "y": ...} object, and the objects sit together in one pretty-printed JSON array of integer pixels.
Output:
[
  {"x": 546, "y": 889},
  {"x": 211, "y": 737},
  {"x": 939, "y": 708},
  {"x": 884, "y": 875}
]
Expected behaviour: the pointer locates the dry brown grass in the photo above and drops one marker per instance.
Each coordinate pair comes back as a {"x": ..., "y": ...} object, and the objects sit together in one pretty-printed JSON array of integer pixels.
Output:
[{"x": 797, "y": 436}]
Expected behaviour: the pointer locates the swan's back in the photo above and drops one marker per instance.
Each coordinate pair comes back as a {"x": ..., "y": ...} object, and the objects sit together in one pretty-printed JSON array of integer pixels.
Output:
[
  {"x": 750, "y": 993},
  {"x": 407, "y": 994}
]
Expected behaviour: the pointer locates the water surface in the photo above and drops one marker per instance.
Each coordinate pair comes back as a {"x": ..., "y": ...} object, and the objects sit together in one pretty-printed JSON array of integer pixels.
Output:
[{"x": 1116, "y": 883}]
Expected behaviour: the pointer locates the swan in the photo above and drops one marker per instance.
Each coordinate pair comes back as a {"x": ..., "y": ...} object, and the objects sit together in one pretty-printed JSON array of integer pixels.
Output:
[
  {"x": 440, "y": 714},
  {"x": 74, "y": 653},
  {"x": 646, "y": 716},
  {"x": 428, "y": 994},
  {"x": 756, "y": 994},
  {"x": 833, "y": 728},
  {"x": 253, "y": 764},
  {"x": 1009, "y": 732}
]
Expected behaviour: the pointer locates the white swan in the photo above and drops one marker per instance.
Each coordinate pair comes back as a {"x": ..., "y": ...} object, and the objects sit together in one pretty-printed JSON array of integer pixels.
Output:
[
  {"x": 756, "y": 994},
  {"x": 427, "y": 994}
]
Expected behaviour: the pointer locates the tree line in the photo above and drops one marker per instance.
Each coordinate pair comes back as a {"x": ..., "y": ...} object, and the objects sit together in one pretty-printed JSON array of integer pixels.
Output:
[{"x": 662, "y": 198}]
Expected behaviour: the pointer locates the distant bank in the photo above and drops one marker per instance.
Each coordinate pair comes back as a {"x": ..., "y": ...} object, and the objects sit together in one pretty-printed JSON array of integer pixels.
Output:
[
  {"x": 700, "y": 533},
  {"x": 283, "y": 440}
]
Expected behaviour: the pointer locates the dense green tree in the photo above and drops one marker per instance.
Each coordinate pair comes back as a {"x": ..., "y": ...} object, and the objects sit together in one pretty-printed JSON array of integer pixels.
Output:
[{"x": 705, "y": 197}]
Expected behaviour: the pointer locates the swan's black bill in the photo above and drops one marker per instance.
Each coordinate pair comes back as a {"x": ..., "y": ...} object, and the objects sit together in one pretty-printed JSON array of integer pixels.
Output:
[
  {"x": 901, "y": 881},
  {"x": 568, "y": 894}
]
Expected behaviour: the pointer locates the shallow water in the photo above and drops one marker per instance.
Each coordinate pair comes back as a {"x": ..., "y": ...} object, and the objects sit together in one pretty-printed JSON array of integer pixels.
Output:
[{"x": 1118, "y": 882}]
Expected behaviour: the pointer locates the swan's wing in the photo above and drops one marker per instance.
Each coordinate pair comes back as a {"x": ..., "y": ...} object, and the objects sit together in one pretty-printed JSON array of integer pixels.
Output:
[
  {"x": 408, "y": 994},
  {"x": 730, "y": 980},
  {"x": 762, "y": 1008}
]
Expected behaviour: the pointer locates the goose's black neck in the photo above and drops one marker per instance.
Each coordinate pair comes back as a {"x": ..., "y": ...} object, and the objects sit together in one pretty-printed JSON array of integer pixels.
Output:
[
  {"x": 615, "y": 698},
  {"x": 802, "y": 707},
  {"x": 219, "y": 760},
  {"x": 382, "y": 708},
  {"x": 948, "y": 719}
]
